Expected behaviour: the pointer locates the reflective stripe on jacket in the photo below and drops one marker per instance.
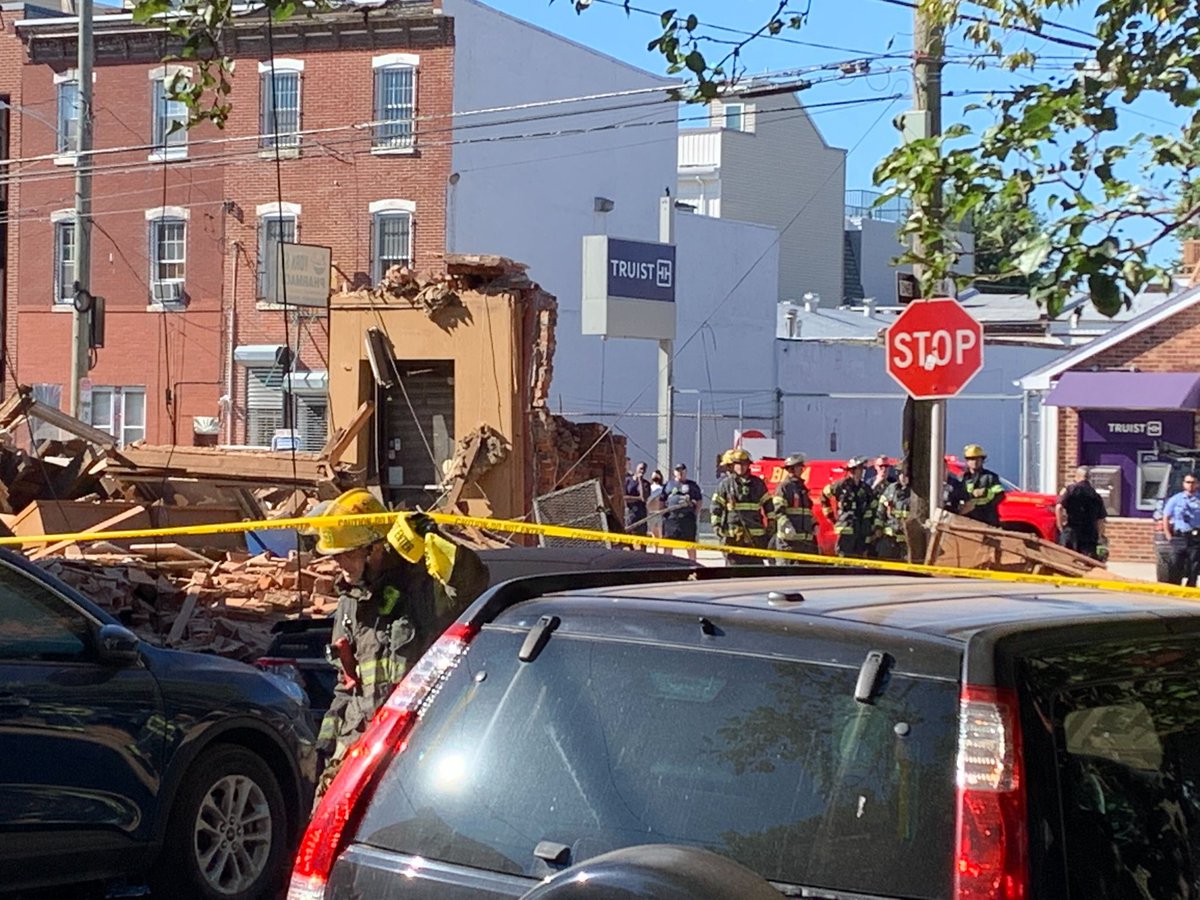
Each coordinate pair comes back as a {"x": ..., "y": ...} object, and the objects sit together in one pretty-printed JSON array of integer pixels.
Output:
[
  {"x": 793, "y": 504},
  {"x": 894, "y": 505},
  {"x": 856, "y": 506},
  {"x": 742, "y": 502}
]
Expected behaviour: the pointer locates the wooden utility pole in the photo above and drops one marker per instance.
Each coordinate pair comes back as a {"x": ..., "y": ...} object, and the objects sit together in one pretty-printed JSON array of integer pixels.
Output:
[
  {"x": 82, "y": 314},
  {"x": 925, "y": 420}
]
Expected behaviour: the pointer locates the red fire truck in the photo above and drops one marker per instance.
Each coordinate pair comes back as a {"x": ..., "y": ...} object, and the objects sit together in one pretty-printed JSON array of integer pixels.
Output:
[{"x": 1020, "y": 511}]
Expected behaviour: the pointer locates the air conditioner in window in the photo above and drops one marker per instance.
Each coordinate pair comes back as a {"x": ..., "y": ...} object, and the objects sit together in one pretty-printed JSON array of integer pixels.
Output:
[{"x": 167, "y": 292}]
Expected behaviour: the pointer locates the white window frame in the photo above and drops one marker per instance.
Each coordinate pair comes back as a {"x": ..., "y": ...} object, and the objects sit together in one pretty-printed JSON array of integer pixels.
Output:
[
  {"x": 741, "y": 113},
  {"x": 66, "y": 145},
  {"x": 118, "y": 422},
  {"x": 61, "y": 221},
  {"x": 289, "y": 142},
  {"x": 155, "y": 218},
  {"x": 382, "y": 142},
  {"x": 381, "y": 211},
  {"x": 172, "y": 145},
  {"x": 272, "y": 212}
]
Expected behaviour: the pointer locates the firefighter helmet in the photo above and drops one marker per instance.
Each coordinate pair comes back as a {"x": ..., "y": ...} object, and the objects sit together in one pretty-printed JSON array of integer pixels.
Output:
[
  {"x": 796, "y": 459},
  {"x": 334, "y": 539},
  {"x": 856, "y": 462},
  {"x": 738, "y": 455},
  {"x": 974, "y": 451}
]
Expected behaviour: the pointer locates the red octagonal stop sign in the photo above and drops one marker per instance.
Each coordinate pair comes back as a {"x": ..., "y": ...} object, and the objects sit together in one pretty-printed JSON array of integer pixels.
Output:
[{"x": 934, "y": 348}]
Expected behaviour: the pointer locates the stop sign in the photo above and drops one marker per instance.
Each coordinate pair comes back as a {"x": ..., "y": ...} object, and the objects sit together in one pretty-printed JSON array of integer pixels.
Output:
[{"x": 934, "y": 348}]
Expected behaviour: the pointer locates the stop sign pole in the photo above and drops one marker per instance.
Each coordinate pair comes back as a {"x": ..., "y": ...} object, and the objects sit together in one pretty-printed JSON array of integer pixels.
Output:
[{"x": 934, "y": 348}]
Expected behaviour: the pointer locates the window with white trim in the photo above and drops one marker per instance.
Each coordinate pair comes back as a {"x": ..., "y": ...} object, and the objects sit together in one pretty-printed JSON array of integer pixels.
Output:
[
  {"x": 279, "y": 104},
  {"x": 395, "y": 106},
  {"x": 264, "y": 404},
  {"x": 168, "y": 259},
  {"x": 121, "y": 411},
  {"x": 68, "y": 116},
  {"x": 273, "y": 229},
  {"x": 64, "y": 261},
  {"x": 391, "y": 241},
  {"x": 735, "y": 116},
  {"x": 170, "y": 120},
  {"x": 47, "y": 395}
]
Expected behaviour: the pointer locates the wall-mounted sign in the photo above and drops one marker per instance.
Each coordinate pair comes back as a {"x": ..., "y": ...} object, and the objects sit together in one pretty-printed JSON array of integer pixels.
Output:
[
  {"x": 299, "y": 275},
  {"x": 628, "y": 288}
]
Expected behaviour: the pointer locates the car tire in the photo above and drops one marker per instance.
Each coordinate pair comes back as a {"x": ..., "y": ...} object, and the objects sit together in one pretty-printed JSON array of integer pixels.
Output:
[{"x": 228, "y": 831}]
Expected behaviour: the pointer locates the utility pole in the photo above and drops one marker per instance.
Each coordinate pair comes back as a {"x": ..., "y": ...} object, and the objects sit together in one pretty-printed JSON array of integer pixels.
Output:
[
  {"x": 81, "y": 317},
  {"x": 666, "y": 351},
  {"x": 925, "y": 420}
]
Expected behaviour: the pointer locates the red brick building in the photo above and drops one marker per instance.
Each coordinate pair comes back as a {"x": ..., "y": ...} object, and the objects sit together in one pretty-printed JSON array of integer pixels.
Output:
[
  {"x": 195, "y": 350},
  {"x": 1127, "y": 404}
]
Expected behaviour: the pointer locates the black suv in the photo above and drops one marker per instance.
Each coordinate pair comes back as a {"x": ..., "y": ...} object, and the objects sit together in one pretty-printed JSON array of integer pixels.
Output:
[
  {"x": 840, "y": 734},
  {"x": 119, "y": 760}
]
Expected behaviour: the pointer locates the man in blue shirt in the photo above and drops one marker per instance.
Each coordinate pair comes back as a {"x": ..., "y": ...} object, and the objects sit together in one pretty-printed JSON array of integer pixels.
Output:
[
  {"x": 682, "y": 500},
  {"x": 1181, "y": 516}
]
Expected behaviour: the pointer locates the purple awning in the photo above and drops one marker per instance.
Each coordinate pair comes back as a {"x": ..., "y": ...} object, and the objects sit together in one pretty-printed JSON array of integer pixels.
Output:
[{"x": 1126, "y": 390}]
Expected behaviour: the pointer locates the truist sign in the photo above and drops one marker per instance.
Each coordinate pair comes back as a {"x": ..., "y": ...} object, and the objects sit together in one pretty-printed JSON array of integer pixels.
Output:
[
  {"x": 628, "y": 288},
  {"x": 641, "y": 271}
]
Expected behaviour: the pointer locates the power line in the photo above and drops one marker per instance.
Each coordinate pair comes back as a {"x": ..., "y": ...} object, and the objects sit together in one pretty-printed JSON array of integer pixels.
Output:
[{"x": 1066, "y": 42}]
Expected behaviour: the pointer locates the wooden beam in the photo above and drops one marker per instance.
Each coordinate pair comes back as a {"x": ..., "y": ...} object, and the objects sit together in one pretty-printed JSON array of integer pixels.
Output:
[
  {"x": 15, "y": 406},
  {"x": 112, "y": 522},
  {"x": 71, "y": 425},
  {"x": 339, "y": 442}
]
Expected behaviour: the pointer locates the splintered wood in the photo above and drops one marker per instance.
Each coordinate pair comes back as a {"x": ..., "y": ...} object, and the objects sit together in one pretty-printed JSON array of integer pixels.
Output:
[{"x": 174, "y": 596}]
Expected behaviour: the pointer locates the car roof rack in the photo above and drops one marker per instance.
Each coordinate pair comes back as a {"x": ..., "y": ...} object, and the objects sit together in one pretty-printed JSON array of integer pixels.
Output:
[{"x": 509, "y": 593}]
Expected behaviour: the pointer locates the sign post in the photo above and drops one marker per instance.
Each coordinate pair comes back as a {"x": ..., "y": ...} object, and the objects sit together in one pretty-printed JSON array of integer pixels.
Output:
[{"x": 934, "y": 348}]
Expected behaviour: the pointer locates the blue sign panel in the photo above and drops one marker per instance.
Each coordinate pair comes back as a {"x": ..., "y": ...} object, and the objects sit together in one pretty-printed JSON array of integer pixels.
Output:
[{"x": 638, "y": 270}]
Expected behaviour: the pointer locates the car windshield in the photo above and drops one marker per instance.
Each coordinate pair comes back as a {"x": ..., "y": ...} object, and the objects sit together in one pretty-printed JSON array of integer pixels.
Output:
[{"x": 601, "y": 744}]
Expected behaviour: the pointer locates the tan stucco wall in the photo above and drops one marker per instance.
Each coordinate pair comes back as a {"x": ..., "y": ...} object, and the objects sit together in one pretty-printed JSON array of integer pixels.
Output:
[{"x": 486, "y": 345}]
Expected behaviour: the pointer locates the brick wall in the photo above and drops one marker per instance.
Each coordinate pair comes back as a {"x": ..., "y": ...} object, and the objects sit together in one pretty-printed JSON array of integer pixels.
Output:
[
  {"x": 1130, "y": 540},
  {"x": 186, "y": 355}
]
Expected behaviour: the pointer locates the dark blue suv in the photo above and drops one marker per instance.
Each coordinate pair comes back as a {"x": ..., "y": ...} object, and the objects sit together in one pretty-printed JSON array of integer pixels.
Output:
[{"x": 120, "y": 760}]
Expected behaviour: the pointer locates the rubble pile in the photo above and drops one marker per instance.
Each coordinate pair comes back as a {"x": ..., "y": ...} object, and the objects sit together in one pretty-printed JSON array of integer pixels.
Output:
[{"x": 172, "y": 596}]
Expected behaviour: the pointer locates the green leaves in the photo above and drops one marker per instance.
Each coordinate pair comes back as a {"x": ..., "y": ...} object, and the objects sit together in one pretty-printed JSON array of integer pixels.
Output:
[{"x": 1032, "y": 253}]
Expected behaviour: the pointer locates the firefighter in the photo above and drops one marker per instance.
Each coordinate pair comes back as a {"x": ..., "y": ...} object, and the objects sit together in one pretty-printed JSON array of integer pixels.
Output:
[
  {"x": 399, "y": 589},
  {"x": 894, "y": 505},
  {"x": 741, "y": 507},
  {"x": 794, "y": 525},
  {"x": 983, "y": 488},
  {"x": 854, "y": 521}
]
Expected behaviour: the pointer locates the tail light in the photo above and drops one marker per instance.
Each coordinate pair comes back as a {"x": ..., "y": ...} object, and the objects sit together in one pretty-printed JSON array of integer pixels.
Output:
[
  {"x": 991, "y": 861},
  {"x": 339, "y": 811}
]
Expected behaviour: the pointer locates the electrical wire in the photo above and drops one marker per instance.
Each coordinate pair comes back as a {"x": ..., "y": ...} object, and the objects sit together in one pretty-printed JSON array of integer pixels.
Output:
[{"x": 1066, "y": 42}]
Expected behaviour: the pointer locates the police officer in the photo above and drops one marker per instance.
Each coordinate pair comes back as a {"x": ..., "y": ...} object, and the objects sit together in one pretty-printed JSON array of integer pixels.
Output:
[
  {"x": 1181, "y": 518},
  {"x": 1080, "y": 514},
  {"x": 637, "y": 492},
  {"x": 894, "y": 505},
  {"x": 983, "y": 488},
  {"x": 399, "y": 589},
  {"x": 795, "y": 529},
  {"x": 854, "y": 520},
  {"x": 741, "y": 507},
  {"x": 681, "y": 501}
]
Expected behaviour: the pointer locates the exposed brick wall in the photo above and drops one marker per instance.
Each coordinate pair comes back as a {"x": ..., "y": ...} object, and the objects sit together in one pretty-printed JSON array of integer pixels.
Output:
[
  {"x": 334, "y": 180},
  {"x": 1130, "y": 540},
  {"x": 12, "y": 60},
  {"x": 1069, "y": 451},
  {"x": 562, "y": 458}
]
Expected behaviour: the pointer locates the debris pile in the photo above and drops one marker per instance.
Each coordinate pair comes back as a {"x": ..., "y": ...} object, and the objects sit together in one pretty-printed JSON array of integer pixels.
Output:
[{"x": 176, "y": 597}]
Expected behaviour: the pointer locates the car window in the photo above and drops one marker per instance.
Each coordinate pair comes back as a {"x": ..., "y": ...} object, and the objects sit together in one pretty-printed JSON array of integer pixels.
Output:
[
  {"x": 1127, "y": 736},
  {"x": 603, "y": 744},
  {"x": 35, "y": 624}
]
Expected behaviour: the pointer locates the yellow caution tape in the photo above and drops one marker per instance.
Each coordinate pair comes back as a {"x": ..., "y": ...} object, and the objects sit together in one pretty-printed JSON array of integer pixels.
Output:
[{"x": 583, "y": 534}]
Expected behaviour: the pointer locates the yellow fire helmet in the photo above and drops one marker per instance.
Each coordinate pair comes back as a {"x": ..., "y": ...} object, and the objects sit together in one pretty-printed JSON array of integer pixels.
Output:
[
  {"x": 737, "y": 454},
  {"x": 334, "y": 539},
  {"x": 974, "y": 451}
]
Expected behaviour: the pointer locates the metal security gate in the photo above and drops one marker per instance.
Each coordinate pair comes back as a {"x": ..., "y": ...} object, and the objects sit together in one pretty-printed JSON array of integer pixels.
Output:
[
  {"x": 414, "y": 428},
  {"x": 578, "y": 506},
  {"x": 264, "y": 404}
]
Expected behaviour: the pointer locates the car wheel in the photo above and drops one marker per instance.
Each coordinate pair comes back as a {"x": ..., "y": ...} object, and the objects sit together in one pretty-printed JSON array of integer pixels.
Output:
[{"x": 227, "y": 833}]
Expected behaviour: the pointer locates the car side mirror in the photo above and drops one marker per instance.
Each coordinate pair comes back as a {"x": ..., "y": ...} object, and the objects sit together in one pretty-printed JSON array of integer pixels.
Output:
[{"x": 118, "y": 646}]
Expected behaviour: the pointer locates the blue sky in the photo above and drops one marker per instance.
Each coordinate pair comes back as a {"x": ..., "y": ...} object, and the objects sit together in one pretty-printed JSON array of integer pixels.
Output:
[{"x": 849, "y": 29}]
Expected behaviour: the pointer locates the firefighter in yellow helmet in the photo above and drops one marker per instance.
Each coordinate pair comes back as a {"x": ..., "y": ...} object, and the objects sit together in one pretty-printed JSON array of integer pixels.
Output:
[
  {"x": 400, "y": 587},
  {"x": 984, "y": 490},
  {"x": 741, "y": 508}
]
